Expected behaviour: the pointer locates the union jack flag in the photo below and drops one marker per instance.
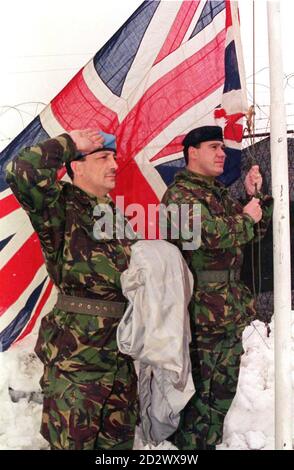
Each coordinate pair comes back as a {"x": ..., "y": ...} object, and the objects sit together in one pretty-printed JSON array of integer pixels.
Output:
[{"x": 173, "y": 66}]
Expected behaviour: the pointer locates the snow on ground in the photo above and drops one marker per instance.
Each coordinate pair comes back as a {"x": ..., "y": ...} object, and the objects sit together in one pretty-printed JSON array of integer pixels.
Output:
[
  {"x": 250, "y": 421},
  {"x": 20, "y": 370},
  {"x": 248, "y": 425}
]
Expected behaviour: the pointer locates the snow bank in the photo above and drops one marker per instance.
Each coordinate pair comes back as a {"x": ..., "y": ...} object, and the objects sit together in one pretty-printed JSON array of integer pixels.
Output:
[{"x": 248, "y": 425}]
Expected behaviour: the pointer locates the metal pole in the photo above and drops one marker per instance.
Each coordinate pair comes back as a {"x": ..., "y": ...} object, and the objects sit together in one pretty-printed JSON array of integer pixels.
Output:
[{"x": 281, "y": 235}]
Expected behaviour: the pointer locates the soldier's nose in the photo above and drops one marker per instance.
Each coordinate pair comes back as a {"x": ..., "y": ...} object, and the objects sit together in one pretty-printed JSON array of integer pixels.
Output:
[{"x": 114, "y": 165}]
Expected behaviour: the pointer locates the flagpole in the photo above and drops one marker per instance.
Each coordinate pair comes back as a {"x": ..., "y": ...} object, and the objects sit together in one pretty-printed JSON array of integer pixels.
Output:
[{"x": 281, "y": 235}]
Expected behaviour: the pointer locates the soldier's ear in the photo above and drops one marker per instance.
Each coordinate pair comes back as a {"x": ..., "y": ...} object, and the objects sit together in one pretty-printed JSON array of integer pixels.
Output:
[
  {"x": 73, "y": 167},
  {"x": 77, "y": 167},
  {"x": 192, "y": 152}
]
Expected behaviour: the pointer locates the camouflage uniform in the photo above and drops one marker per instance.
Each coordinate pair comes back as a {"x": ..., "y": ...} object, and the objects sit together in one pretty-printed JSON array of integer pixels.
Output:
[
  {"x": 90, "y": 396},
  {"x": 219, "y": 311}
]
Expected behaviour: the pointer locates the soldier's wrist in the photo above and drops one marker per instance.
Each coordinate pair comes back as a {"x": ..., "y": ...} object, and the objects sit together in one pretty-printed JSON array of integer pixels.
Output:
[
  {"x": 70, "y": 148},
  {"x": 249, "y": 218}
]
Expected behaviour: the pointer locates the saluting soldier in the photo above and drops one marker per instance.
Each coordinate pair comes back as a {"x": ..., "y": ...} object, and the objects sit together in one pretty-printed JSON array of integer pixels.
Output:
[
  {"x": 90, "y": 396},
  {"x": 221, "y": 305}
]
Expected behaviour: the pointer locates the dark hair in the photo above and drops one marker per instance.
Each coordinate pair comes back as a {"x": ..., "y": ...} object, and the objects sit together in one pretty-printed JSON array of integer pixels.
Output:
[
  {"x": 69, "y": 169},
  {"x": 186, "y": 153}
]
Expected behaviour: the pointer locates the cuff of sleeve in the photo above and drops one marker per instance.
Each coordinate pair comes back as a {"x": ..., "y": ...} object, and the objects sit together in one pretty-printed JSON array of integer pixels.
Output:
[
  {"x": 258, "y": 195},
  {"x": 249, "y": 218},
  {"x": 266, "y": 199},
  {"x": 69, "y": 147}
]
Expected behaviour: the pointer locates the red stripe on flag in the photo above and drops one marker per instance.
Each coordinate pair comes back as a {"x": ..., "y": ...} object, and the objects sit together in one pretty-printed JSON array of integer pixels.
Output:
[
  {"x": 172, "y": 95},
  {"x": 228, "y": 14},
  {"x": 60, "y": 173},
  {"x": 174, "y": 146},
  {"x": 38, "y": 310},
  {"x": 178, "y": 29},
  {"x": 234, "y": 132},
  {"x": 140, "y": 193},
  {"x": 8, "y": 205},
  {"x": 17, "y": 274},
  {"x": 75, "y": 107},
  {"x": 145, "y": 194}
]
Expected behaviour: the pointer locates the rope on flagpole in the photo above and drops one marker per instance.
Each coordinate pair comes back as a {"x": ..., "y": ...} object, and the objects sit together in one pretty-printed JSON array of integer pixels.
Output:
[{"x": 250, "y": 128}]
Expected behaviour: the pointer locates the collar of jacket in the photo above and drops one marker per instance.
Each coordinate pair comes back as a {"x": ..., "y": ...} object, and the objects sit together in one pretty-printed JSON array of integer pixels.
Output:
[
  {"x": 86, "y": 198},
  {"x": 195, "y": 178}
]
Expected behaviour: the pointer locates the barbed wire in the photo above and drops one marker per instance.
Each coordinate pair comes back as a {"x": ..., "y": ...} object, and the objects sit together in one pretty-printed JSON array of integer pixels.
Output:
[
  {"x": 63, "y": 69},
  {"x": 51, "y": 55},
  {"x": 262, "y": 118},
  {"x": 10, "y": 127}
]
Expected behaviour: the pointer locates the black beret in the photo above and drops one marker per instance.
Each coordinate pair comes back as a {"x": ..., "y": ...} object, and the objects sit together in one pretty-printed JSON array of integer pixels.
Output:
[{"x": 203, "y": 134}]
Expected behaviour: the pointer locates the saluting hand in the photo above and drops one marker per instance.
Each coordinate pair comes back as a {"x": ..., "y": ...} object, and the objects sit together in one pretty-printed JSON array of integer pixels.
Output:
[
  {"x": 87, "y": 140},
  {"x": 253, "y": 180}
]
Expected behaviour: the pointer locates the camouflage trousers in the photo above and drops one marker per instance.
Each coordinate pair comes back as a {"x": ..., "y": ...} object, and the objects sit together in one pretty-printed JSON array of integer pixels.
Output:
[
  {"x": 90, "y": 389},
  {"x": 215, "y": 361}
]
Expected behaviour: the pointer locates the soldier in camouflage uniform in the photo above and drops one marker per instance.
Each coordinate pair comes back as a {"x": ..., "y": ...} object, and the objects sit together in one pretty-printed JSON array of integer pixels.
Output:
[
  {"x": 221, "y": 304},
  {"x": 90, "y": 393}
]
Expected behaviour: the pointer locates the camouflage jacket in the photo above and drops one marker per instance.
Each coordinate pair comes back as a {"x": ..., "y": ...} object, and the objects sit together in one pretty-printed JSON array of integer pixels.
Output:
[
  {"x": 63, "y": 217},
  {"x": 224, "y": 232}
]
